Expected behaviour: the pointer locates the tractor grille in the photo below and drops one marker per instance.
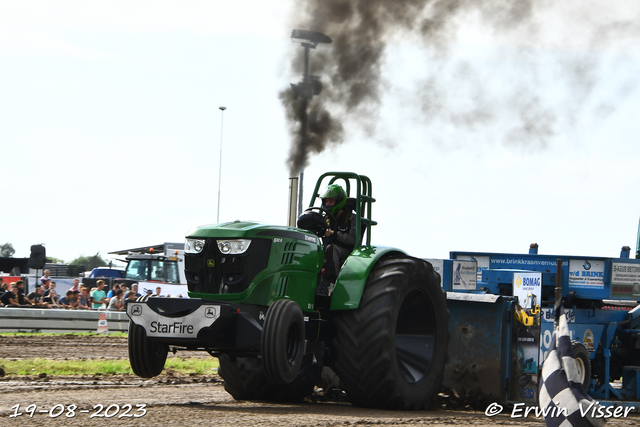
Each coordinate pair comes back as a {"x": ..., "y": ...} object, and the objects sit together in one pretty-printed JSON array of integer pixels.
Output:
[{"x": 211, "y": 272}]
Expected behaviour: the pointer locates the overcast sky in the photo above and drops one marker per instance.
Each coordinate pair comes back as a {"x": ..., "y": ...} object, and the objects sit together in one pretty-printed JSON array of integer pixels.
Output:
[{"x": 110, "y": 129}]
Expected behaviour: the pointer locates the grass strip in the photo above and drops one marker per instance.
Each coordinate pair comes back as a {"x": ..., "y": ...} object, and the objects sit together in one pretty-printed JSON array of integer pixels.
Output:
[{"x": 37, "y": 366}]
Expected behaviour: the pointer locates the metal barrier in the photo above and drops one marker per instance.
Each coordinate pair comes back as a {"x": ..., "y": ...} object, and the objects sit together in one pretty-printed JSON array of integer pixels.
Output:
[{"x": 56, "y": 320}]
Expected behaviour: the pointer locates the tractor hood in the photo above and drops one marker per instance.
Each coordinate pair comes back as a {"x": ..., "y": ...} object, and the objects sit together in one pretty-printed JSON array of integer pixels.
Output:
[{"x": 242, "y": 229}]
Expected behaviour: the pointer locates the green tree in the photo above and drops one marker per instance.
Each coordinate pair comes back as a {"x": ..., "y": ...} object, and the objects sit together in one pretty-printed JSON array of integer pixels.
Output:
[
  {"x": 89, "y": 262},
  {"x": 7, "y": 250},
  {"x": 55, "y": 260}
]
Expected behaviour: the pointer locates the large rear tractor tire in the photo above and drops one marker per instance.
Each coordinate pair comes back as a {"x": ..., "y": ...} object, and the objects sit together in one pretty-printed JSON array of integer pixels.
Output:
[
  {"x": 244, "y": 379},
  {"x": 391, "y": 351},
  {"x": 282, "y": 341},
  {"x": 146, "y": 357}
]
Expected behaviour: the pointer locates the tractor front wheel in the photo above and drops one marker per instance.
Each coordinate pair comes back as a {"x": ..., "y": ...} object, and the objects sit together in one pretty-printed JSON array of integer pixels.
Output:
[
  {"x": 145, "y": 356},
  {"x": 390, "y": 352},
  {"x": 282, "y": 341}
]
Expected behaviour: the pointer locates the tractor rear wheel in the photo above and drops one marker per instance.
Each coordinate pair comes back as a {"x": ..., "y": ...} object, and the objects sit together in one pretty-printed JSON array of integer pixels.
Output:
[
  {"x": 390, "y": 352},
  {"x": 244, "y": 379}
]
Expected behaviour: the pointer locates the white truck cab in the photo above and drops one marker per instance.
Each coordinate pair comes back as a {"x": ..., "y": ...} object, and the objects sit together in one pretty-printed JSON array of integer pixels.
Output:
[{"x": 159, "y": 266}]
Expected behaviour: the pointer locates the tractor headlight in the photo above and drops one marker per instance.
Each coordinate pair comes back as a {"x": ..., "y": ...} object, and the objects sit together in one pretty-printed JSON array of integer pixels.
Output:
[
  {"x": 193, "y": 246},
  {"x": 233, "y": 247}
]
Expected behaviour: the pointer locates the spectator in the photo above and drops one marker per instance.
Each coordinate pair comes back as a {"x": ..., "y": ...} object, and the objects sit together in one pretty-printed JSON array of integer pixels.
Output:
[
  {"x": 68, "y": 301},
  {"x": 46, "y": 276},
  {"x": 4, "y": 287},
  {"x": 113, "y": 291},
  {"x": 45, "y": 286},
  {"x": 52, "y": 299},
  {"x": 22, "y": 299},
  {"x": 83, "y": 299},
  {"x": 51, "y": 286},
  {"x": 10, "y": 298},
  {"x": 64, "y": 301},
  {"x": 134, "y": 288},
  {"x": 90, "y": 297},
  {"x": 76, "y": 285},
  {"x": 99, "y": 296},
  {"x": 158, "y": 292},
  {"x": 116, "y": 303},
  {"x": 131, "y": 296},
  {"x": 37, "y": 297},
  {"x": 76, "y": 298}
]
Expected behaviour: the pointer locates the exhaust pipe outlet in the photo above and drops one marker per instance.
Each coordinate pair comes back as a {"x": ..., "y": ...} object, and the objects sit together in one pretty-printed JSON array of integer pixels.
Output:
[
  {"x": 638, "y": 243},
  {"x": 293, "y": 201}
]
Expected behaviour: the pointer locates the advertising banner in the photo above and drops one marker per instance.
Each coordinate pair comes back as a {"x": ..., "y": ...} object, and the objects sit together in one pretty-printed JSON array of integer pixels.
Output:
[{"x": 528, "y": 288}]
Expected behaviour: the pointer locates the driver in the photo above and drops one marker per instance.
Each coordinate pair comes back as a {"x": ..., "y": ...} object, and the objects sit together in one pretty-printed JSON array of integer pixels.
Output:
[{"x": 338, "y": 245}]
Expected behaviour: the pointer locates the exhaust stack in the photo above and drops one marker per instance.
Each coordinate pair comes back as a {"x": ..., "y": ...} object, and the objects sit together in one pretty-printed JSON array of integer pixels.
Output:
[
  {"x": 293, "y": 201},
  {"x": 638, "y": 243}
]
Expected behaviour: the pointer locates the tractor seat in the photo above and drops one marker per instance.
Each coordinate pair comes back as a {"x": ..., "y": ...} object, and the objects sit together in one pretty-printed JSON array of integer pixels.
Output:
[{"x": 351, "y": 204}]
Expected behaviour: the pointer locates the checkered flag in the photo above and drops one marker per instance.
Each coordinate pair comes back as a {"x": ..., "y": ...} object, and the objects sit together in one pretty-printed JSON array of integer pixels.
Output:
[{"x": 563, "y": 400}]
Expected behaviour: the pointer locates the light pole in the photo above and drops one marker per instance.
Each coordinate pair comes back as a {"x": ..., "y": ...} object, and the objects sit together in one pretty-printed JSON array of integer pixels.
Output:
[
  {"x": 220, "y": 167},
  {"x": 306, "y": 89}
]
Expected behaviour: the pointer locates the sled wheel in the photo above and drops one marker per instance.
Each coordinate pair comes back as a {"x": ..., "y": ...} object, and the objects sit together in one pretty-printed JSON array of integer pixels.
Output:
[
  {"x": 583, "y": 363},
  {"x": 244, "y": 378},
  {"x": 282, "y": 341},
  {"x": 390, "y": 352}
]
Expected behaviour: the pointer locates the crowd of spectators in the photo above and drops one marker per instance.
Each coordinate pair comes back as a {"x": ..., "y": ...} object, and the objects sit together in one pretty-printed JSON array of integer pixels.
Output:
[{"x": 78, "y": 297}]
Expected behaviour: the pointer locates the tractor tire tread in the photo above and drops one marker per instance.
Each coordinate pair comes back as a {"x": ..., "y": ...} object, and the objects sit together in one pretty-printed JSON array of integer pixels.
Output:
[{"x": 364, "y": 345}]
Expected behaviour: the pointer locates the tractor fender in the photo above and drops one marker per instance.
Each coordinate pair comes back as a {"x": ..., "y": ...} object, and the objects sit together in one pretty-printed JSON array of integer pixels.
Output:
[{"x": 354, "y": 273}]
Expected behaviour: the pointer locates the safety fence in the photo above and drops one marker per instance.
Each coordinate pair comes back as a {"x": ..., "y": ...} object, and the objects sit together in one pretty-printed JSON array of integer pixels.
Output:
[{"x": 54, "y": 320}]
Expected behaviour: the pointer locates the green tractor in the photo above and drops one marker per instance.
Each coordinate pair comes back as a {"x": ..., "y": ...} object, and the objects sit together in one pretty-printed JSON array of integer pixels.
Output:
[{"x": 254, "y": 302}]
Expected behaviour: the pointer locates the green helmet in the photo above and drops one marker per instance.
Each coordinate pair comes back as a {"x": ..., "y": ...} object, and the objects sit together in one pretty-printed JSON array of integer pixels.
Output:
[{"x": 334, "y": 191}]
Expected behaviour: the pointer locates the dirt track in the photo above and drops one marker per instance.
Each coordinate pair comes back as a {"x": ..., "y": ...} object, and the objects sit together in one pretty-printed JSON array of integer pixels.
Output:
[
  {"x": 180, "y": 400},
  {"x": 69, "y": 347}
]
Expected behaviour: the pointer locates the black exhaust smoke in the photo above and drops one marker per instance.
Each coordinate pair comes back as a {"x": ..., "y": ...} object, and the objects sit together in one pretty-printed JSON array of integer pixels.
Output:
[
  {"x": 322, "y": 129},
  {"x": 351, "y": 71},
  {"x": 351, "y": 66}
]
